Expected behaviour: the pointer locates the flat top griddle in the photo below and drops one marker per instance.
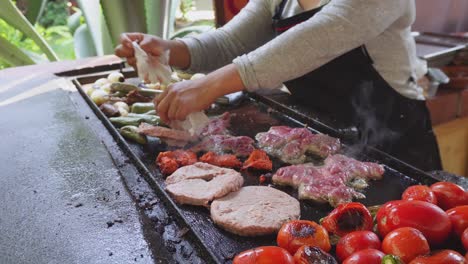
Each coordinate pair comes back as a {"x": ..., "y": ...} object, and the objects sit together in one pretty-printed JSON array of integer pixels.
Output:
[{"x": 257, "y": 114}]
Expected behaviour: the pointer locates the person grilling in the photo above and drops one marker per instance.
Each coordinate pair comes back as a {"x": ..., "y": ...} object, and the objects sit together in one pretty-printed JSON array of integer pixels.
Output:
[{"x": 354, "y": 59}]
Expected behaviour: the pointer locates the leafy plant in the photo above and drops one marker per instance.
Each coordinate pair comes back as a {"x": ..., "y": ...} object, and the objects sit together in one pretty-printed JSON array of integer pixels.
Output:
[{"x": 55, "y": 14}]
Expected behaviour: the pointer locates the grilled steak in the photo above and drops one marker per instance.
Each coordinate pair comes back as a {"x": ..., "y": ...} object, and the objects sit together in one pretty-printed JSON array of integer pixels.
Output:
[
  {"x": 254, "y": 210},
  {"x": 221, "y": 144},
  {"x": 331, "y": 182},
  {"x": 291, "y": 144}
]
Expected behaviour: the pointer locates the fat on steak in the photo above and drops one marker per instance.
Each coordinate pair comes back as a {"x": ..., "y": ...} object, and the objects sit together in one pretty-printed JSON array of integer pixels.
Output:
[
  {"x": 200, "y": 183},
  {"x": 292, "y": 144},
  {"x": 334, "y": 182},
  {"x": 254, "y": 211},
  {"x": 222, "y": 144}
]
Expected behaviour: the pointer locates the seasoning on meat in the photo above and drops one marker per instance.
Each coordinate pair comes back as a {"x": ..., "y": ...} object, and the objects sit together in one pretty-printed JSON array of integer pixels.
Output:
[
  {"x": 254, "y": 211},
  {"x": 170, "y": 161},
  {"x": 258, "y": 160},
  {"x": 171, "y": 136},
  {"x": 200, "y": 183},
  {"x": 333, "y": 182},
  {"x": 221, "y": 144},
  {"x": 292, "y": 144},
  {"x": 224, "y": 160},
  {"x": 217, "y": 126}
]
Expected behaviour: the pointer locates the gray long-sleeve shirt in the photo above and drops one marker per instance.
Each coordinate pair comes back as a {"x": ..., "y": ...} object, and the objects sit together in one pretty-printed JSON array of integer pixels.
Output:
[{"x": 264, "y": 61}]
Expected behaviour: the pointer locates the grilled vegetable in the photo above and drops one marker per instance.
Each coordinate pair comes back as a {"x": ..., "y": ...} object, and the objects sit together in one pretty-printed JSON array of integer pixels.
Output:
[
  {"x": 449, "y": 195},
  {"x": 134, "y": 120},
  {"x": 347, "y": 218},
  {"x": 141, "y": 108},
  {"x": 356, "y": 241},
  {"x": 116, "y": 77},
  {"x": 391, "y": 259},
  {"x": 420, "y": 193},
  {"x": 444, "y": 256},
  {"x": 131, "y": 133},
  {"x": 122, "y": 108},
  {"x": 367, "y": 256},
  {"x": 407, "y": 243},
  {"x": 109, "y": 110},
  {"x": 297, "y": 233},
  {"x": 100, "y": 82},
  {"x": 312, "y": 255},
  {"x": 123, "y": 87},
  {"x": 99, "y": 97},
  {"x": 459, "y": 218},
  {"x": 267, "y": 254}
]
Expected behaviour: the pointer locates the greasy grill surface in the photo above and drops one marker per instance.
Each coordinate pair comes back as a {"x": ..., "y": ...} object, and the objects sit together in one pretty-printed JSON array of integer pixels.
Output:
[{"x": 250, "y": 118}]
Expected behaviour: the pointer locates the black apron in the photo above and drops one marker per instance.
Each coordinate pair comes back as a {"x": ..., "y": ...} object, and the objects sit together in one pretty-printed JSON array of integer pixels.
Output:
[{"x": 350, "y": 89}]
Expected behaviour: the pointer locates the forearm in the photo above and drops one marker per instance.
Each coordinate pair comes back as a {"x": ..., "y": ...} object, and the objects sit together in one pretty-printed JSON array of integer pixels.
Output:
[
  {"x": 222, "y": 81},
  {"x": 179, "y": 56}
]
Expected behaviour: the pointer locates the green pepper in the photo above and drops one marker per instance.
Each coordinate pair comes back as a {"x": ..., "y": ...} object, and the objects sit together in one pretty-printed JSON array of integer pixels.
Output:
[
  {"x": 140, "y": 108},
  {"x": 149, "y": 92},
  {"x": 151, "y": 112},
  {"x": 131, "y": 133},
  {"x": 391, "y": 259},
  {"x": 123, "y": 87},
  {"x": 150, "y": 119},
  {"x": 134, "y": 120}
]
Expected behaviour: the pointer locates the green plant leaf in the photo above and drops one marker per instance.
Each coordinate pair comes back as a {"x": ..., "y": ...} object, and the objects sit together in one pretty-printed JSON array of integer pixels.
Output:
[
  {"x": 13, "y": 55},
  {"x": 14, "y": 17},
  {"x": 34, "y": 9},
  {"x": 97, "y": 26},
  {"x": 84, "y": 46}
]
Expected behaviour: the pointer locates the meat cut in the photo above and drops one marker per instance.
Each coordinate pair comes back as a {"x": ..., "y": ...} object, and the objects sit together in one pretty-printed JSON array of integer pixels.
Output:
[
  {"x": 254, "y": 211},
  {"x": 217, "y": 126},
  {"x": 173, "y": 136},
  {"x": 292, "y": 144},
  {"x": 334, "y": 182},
  {"x": 170, "y": 161},
  {"x": 258, "y": 160},
  {"x": 221, "y": 144},
  {"x": 189, "y": 185},
  {"x": 223, "y": 160}
]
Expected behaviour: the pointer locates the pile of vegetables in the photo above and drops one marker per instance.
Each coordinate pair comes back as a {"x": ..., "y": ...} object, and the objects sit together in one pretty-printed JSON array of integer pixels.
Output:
[{"x": 412, "y": 230}]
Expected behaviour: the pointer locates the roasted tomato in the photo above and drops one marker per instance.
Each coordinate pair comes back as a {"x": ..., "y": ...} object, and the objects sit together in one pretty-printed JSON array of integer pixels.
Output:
[
  {"x": 464, "y": 239},
  {"x": 258, "y": 160},
  {"x": 297, "y": 233},
  {"x": 428, "y": 218},
  {"x": 406, "y": 243},
  {"x": 356, "y": 241},
  {"x": 366, "y": 256},
  {"x": 264, "y": 255},
  {"x": 439, "y": 257},
  {"x": 347, "y": 218},
  {"x": 449, "y": 195},
  {"x": 312, "y": 255},
  {"x": 459, "y": 217},
  {"x": 420, "y": 193}
]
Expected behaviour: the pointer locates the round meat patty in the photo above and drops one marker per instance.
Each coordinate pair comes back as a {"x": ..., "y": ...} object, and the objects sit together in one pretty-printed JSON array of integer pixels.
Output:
[{"x": 254, "y": 210}]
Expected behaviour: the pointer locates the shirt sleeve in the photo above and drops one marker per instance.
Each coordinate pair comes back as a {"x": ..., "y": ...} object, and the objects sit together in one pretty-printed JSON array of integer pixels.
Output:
[
  {"x": 248, "y": 30},
  {"x": 339, "y": 27}
]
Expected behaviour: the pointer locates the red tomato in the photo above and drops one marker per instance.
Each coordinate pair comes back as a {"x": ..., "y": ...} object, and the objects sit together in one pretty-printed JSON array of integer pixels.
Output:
[
  {"x": 449, "y": 195},
  {"x": 312, "y": 255},
  {"x": 426, "y": 217},
  {"x": 347, "y": 218},
  {"x": 419, "y": 193},
  {"x": 264, "y": 255},
  {"x": 439, "y": 257},
  {"x": 297, "y": 233},
  {"x": 366, "y": 256},
  {"x": 406, "y": 243},
  {"x": 356, "y": 241},
  {"x": 464, "y": 239},
  {"x": 459, "y": 217}
]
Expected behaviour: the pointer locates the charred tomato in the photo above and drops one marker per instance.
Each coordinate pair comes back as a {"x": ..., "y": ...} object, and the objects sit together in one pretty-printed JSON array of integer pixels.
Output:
[
  {"x": 356, "y": 241},
  {"x": 366, "y": 256},
  {"x": 419, "y": 193},
  {"x": 264, "y": 255},
  {"x": 449, "y": 195},
  {"x": 297, "y": 233},
  {"x": 438, "y": 257},
  {"x": 459, "y": 217},
  {"x": 428, "y": 218},
  {"x": 347, "y": 218},
  {"x": 464, "y": 239},
  {"x": 312, "y": 255},
  {"x": 406, "y": 243}
]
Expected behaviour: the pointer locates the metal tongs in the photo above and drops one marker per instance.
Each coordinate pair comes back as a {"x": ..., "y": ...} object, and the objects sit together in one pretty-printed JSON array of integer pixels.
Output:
[{"x": 229, "y": 99}]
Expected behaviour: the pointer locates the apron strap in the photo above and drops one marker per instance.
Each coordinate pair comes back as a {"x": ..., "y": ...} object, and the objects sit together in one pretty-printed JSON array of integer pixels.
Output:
[{"x": 279, "y": 10}]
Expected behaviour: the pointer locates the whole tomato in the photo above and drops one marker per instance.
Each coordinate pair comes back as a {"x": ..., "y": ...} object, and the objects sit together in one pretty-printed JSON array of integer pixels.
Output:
[
  {"x": 449, "y": 195},
  {"x": 366, "y": 256},
  {"x": 419, "y": 193},
  {"x": 426, "y": 217},
  {"x": 356, "y": 241},
  {"x": 406, "y": 243},
  {"x": 312, "y": 255},
  {"x": 347, "y": 218},
  {"x": 459, "y": 217},
  {"x": 464, "y": 239},
  {"x": 439, "y": 257},
  {"x": 297, "y": 233},
  {"x": 264, "y": 255}
]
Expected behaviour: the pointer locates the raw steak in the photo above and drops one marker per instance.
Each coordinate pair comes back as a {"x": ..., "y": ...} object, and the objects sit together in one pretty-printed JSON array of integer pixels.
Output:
[
  {"x": 254, "y": 211},
  {"x": 222, "y": 144},
  {"x": 217, "y": 126},
  {"x": 164, "y": 133}
]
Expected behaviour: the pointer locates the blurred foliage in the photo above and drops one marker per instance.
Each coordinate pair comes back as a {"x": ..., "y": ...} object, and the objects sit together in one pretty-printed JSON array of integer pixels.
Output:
[
  {"x": 55, "y": 14},
  {"x": 185, "y": 7}
]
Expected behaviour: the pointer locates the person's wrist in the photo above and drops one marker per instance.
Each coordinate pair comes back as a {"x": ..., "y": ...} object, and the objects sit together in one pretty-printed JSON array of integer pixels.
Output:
[{"x": 180, "y": 55}]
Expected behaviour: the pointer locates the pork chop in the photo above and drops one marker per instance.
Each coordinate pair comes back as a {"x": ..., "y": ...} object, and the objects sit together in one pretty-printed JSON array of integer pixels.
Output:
[
  {"x": 254, "y": 211},
  {"x": 199, "y": 170}
]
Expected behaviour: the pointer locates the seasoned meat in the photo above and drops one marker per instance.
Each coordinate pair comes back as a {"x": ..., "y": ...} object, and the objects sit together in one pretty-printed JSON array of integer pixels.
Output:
[
  {"x": 333, "y": 182},
  {"x": 170, "y": 161},
  {"x": 200, "y": 183},
  {"x": 224, "y": 160},
  {"x": 222, "y": 144},
  {"x": 217, "y": 126},
  {"x": 165, "y": 133},
  {"x": 136, "y": 97},
  {"x": 292, "y": 144},
  {"x": 254, "y": 211},
  {"x": 258, "y": 160}
]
